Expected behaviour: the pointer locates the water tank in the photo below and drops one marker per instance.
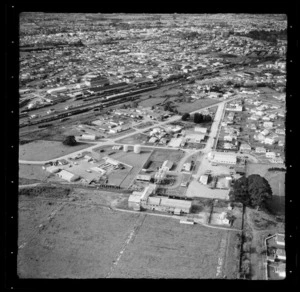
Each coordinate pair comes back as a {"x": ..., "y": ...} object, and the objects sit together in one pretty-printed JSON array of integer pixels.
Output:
[
  {"x": 125, "y": 148},
  {"x": 137, "y": 149}
]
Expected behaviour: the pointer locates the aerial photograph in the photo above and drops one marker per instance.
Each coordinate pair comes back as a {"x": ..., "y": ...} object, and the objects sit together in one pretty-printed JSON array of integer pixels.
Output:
[{"x": 152, "y": 146}]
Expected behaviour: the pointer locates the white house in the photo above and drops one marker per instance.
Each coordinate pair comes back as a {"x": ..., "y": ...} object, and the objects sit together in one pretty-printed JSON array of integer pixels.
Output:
[
  {"x": 280, "y": 239},
  {"x": 269, "y": 141},
  {"x": 270, "y": 154},
  {"x": 260, "y": 150},
  {"x": 268, "y": 124}
]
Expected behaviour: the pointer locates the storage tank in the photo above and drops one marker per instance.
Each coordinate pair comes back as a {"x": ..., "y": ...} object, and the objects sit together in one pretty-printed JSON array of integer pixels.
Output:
[
  {"x": 125, "y": 148},
  {"x": 137, "y": 149}
]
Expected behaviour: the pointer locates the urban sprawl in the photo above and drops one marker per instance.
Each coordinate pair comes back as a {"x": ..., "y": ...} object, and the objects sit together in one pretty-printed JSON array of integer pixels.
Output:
[{"x": 152, "y": 146}]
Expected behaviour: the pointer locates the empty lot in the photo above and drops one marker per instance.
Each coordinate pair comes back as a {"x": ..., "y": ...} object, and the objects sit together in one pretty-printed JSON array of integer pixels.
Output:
[
  {"x": 81, "y": 239},
  {"x": 41, "y": 150}
]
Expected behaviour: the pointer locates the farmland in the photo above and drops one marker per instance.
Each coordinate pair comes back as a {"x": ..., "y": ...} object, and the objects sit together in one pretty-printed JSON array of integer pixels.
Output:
[
  {"x": 77, "y": 237},
  {"x": 41, "y": 150}
]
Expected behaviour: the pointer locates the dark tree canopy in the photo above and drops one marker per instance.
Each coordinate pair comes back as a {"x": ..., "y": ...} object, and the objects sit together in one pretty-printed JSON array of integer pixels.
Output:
[
  {"x": 70, "y": 141},
  {"x": 185, "y": 117},
  {"x": 253, "y": 191}
]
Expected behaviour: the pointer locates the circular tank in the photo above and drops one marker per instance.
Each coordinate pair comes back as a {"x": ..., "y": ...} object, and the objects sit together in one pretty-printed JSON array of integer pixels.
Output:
[
  {"x": 137, "y": 149},
  {"x": 125, "y": 148}
]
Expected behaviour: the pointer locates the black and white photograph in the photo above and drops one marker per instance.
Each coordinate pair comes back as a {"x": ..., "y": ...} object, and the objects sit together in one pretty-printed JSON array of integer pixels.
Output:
[{"x": 152, "y": 145}]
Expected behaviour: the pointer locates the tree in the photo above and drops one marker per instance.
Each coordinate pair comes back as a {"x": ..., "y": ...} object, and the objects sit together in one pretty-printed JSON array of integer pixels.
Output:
[
  {"x": 70, "y": 141},
  {"x": 239, "y": 193},
  {"x": 185, "y": 117},
  {"x": 254, "y": 191},
  {"x": 259, "y": 190}
]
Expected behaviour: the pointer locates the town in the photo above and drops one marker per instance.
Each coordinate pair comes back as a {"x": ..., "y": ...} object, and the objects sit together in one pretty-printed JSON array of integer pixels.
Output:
[{"x": 147, "y": 137}]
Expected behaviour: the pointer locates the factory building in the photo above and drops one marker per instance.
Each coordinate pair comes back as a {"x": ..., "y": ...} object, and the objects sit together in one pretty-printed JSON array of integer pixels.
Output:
[
  {"x": 223, "y": 158},
  {"x": 144, "y": 200},
  {"x": 68, "y": 176}
]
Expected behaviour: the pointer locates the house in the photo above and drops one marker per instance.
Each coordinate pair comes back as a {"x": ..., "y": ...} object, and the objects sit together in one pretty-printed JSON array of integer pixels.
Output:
[
  {"x": 268, "y": 124},
  {"x": 260, "y": 150},
  {"x": 201, "y": 130},
  {"x": 280, "y": 239},
  {"x": 228, "y": 138},
  {"x": 204, "y": 179},
  {"x": 270, "y": 154},
  {"x": 175, "y": 142},
  {"x": 281, "y": 270},
  {"x": 245, "y": 148},
  {"x": 277, "y": 160},
  {"x": 143, "y": 177},
  {"x": 280, "y": 131},
  {"x": 269, "y": 141},
  {"x": 265, "y": 132},
  {"x": 153, "y": 140},
  {"x": 187, "y": 166},
  {"x": 280, "y": 254},
  {"x": 195, "y": 138}
]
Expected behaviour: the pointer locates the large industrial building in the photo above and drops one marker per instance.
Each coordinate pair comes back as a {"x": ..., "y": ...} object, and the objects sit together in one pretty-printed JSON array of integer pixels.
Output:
[
  {"x": 143, "y": 200},
  {"x": 223, "y": 158}
]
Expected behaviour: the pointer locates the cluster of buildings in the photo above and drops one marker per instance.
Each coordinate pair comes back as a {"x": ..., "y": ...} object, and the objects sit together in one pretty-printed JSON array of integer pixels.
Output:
[
  {"x": 263, "y": 125},
  {"x": 148, "y": 200},
  {"x": 84, "y": 168},
  {"x": 276, "y": 256}
]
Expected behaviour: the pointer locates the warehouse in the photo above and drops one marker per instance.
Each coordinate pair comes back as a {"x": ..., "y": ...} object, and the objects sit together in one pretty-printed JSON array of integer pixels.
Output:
[
  {"x": 175, "y": 142},
  {"x": 88, "y": 137},
  {"x": 68, "y": 176},
  {"x": 167, "y": 165},
  {"x": 143, "y": 177},
  {"x": 177, "y": 207},
  {"x": 195, "y": 138},
  {"x": 223, "y": 158}
]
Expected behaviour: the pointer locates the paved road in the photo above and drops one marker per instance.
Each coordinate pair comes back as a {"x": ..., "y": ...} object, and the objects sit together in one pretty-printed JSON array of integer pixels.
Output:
[{"x": 172, "y": 119}]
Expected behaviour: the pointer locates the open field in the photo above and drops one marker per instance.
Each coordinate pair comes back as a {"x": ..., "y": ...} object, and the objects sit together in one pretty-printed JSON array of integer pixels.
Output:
[
  {"x": 277, "y": 183},
  {"x": 33, "y": 172},
  {"x": 276, "y": 180},
  {"x": 163, "y": 248},
  {"x": 134, "y": 139},
  {"x": 196, "y": 189},
  {"x": 75, "y": 237},
  {"x": 198, "y": 104},
  {"x": 45, "y": 150}
]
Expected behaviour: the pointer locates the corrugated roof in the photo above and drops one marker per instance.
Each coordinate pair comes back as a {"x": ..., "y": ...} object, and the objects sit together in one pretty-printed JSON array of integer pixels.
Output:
[{"x": 176, "y": 203}]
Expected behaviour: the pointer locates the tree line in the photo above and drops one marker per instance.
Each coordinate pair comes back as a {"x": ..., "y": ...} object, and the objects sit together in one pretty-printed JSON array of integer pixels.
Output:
[{"x": 197, "y": 118}]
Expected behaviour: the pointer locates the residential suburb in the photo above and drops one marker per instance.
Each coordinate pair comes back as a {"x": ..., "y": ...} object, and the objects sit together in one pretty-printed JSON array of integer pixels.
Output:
[{"x": 152, "y": 146}]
